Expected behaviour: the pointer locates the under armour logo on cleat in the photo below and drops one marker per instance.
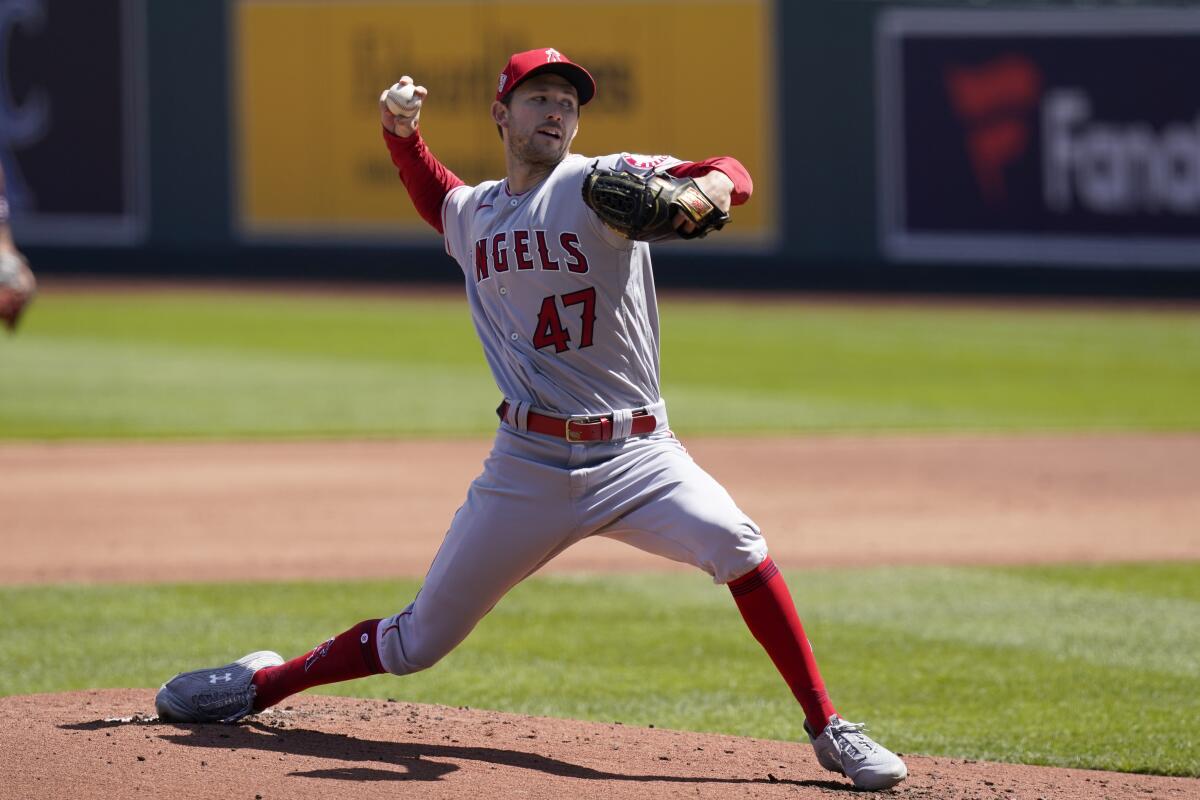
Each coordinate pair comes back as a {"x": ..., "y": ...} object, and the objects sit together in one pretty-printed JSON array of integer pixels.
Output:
[{"x": 214, "y": 678}]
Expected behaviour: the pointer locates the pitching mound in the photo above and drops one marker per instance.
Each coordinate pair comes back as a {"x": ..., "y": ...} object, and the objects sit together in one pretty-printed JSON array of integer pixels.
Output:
[{"x": 109, "y": 744}]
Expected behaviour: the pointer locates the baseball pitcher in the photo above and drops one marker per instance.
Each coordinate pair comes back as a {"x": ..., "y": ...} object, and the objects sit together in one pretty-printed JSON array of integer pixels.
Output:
[{"x": 557, "y": 273}]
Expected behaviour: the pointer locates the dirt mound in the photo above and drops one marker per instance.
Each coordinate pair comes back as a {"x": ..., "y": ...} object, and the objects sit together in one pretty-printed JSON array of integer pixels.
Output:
[{"x": 109, "y": 744}]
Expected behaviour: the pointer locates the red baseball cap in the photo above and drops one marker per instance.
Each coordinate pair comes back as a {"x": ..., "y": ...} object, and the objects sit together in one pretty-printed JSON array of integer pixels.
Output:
[{"x": 545, "y": 59}]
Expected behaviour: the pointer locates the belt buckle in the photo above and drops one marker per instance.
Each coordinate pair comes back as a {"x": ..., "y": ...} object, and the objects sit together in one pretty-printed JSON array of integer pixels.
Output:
[{"x": 575, "y": 435}]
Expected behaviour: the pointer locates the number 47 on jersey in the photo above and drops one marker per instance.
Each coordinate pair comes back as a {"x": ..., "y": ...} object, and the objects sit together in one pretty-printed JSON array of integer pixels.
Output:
[{"x": 550, "y": 330}]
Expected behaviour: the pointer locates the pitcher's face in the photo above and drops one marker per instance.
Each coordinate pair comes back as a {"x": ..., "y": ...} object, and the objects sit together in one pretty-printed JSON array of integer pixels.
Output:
[{"x": 542, "y": 118}]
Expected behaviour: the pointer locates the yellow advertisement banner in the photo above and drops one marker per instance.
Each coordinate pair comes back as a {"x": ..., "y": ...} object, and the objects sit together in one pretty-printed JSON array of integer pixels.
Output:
[{"x": 689, "y": 79}]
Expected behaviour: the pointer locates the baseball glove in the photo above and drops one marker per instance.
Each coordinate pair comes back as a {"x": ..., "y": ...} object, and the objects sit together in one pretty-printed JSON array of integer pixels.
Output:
[
  {"x": 644, "y": 208},
  {"x": 17, "y": 287}
]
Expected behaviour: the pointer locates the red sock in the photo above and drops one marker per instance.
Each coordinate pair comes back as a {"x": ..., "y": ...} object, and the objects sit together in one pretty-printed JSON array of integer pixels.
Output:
[
  {"x": 763, "y": 598},
  {"x": 348, "y": 655}
]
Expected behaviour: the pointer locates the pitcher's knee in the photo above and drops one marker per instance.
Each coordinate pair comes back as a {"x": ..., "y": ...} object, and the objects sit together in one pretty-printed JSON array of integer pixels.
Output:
[
  {"x": 404, "y": 648},
  {"x": 728, "y": 552}
]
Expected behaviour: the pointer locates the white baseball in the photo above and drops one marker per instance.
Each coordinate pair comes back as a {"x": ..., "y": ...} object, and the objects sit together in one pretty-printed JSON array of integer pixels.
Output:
[{"x": 400, "y": 100}]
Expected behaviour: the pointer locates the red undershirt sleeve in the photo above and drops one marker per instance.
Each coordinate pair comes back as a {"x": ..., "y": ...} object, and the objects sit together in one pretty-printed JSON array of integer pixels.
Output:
[
  {"x": 743, "y": 185},
  {"x": 428, "y": 180}
]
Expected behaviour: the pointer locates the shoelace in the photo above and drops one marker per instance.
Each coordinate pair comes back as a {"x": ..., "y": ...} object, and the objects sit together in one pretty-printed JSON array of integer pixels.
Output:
[
  {"x": 845, "y": 726},
  {"x": 852, "y": 733}
]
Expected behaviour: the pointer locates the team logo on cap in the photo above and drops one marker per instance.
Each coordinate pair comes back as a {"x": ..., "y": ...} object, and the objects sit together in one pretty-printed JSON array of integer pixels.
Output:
[{"x": 553, "y": 55}]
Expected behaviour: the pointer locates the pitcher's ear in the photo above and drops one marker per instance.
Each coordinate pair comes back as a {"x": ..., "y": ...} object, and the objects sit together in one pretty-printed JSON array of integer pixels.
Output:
[{"x": 500, "y": 113}]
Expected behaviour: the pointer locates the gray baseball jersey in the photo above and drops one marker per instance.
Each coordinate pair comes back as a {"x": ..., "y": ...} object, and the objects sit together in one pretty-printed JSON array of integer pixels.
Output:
[
  {"x": 566, "y": 311},
  {"x": 563, "y": 305}
]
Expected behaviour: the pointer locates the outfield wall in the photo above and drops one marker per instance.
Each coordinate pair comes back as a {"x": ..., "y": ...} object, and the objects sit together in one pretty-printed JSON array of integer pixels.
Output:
[{"x": 936, "y": 146}]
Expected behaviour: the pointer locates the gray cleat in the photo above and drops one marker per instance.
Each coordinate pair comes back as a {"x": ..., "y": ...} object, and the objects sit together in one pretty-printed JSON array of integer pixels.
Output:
[
  {"x": 217, "y": 694},
  {"x": 843, "y": 747}
]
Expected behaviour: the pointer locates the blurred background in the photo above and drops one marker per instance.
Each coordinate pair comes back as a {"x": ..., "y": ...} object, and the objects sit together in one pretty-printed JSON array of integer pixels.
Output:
[{"x": 935, "y": 147}]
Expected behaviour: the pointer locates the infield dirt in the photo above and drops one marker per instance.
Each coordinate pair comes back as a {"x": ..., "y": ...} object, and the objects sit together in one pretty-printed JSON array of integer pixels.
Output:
[
  {"x": 195, "y": 512},
  {"x": 151, "y": 512}
]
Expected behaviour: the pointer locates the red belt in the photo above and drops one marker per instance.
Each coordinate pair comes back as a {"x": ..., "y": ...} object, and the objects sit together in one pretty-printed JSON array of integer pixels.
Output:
[{"x": 583, "y": 429}]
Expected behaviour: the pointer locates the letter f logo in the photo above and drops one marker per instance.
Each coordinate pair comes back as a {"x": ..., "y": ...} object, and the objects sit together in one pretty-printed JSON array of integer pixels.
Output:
[{"x": 993, "y": 101}]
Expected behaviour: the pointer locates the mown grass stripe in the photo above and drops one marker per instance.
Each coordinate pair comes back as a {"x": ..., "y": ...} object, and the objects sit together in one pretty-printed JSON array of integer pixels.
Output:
[{"x": 213, "y": 364}]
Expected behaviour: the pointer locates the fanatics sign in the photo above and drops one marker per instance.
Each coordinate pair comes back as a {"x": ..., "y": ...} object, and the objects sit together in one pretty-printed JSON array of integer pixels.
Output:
[{"x": 1040, "y": 136}]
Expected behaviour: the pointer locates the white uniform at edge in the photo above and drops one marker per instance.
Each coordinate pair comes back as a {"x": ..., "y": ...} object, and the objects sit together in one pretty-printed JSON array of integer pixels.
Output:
[
  {"x": 566, "y": 312},
  {"x": 547, "y": 243}
]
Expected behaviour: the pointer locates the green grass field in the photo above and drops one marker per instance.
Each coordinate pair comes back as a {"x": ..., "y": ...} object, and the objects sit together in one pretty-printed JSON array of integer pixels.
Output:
[
  {"x": 1070, "y": 665},
  {"x": 212, "y": 364}
]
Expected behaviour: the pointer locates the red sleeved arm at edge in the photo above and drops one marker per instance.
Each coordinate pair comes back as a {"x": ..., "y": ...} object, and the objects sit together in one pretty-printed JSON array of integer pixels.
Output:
[
  {"x": 427, "y": 179},
  {"x": 743, "y": 185}
]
